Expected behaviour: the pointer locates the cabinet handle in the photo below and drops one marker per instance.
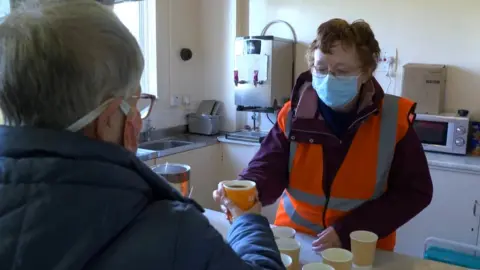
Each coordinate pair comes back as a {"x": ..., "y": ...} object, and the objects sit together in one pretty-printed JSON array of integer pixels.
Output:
[{"x": 475, "y": 208}]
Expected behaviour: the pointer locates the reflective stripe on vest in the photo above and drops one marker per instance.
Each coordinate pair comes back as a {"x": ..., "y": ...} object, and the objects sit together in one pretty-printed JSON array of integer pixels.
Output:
[
  {"x": 386, "y": 149},
  {"x": 295, "y": 217}
]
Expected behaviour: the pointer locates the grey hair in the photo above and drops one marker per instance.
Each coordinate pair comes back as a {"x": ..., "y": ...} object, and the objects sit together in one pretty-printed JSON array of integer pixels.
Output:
[{"x": 59, "y": 60}]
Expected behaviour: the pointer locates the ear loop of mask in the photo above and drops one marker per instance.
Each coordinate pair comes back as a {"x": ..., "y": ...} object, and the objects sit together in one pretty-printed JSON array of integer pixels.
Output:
[
  {"x": 132, "y": 127},
  {"x": 125, "y": 107},
  {"x": 91, "y": 116}
]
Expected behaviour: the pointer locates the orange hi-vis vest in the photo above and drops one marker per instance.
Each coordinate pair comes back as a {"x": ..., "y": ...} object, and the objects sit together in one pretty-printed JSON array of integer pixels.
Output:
[{"x": 363, "y": 175}]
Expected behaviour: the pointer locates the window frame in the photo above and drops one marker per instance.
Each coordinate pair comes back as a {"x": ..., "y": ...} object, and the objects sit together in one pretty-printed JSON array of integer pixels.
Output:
[{"x": 147, "y": 41}]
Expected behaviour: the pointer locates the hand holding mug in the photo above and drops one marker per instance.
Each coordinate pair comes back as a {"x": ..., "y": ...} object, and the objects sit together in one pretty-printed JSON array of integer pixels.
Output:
[{"x": 237, "y": 198}]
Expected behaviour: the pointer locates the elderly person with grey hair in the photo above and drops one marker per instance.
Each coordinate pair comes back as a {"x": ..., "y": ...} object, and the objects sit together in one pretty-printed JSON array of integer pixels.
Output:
[{"x": 73, "y": 194}]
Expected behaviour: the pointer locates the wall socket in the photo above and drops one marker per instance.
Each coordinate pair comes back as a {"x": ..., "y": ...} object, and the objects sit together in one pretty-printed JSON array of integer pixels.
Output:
[
  {"x": 175, "y": 100},
  {"x": 387, "y": 62}
]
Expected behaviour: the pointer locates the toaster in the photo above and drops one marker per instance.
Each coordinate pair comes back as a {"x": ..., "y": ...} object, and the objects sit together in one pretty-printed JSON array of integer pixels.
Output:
[{"x": 206, "y": 121}]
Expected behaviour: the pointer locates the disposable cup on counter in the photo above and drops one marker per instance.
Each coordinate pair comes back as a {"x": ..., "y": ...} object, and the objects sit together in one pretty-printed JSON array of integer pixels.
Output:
[
  {"x": 290, "y": 247},
  {"x": 317, "y": 266},
  {"x": 287, "y": 261},
  {"x": 283, "y": 232},
  {"x": 364, "y": 245},
  {"x": 338, "y": 258}
]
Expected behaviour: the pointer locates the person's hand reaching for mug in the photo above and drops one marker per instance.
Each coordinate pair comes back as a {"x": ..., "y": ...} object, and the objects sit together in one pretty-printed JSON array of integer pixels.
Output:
[{"x": 229, "y": 208}]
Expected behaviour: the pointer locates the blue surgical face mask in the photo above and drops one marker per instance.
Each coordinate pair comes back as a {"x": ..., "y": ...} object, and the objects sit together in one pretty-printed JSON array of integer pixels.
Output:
[{"x": 336, "y": 91}]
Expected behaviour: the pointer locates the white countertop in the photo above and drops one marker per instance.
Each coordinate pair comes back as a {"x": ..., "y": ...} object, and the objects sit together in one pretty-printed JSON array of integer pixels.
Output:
[
  {"x": 464, "y": 164},
  {"x": 383, "y": 260},
  {"x": 223, "y": 139}
]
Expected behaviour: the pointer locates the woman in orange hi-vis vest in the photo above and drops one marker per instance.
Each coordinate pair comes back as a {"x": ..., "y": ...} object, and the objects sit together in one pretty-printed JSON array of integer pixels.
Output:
[{"x": 343, "y": 155}]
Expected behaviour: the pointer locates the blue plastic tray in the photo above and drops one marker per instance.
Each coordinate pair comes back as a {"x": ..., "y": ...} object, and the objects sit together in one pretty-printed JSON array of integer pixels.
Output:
[{"x": 452, "y": 257}]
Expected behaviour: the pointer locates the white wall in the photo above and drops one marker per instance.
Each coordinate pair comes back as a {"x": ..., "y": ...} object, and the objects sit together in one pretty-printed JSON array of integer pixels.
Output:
[
  {"x": 178, "y": 26},
  {"x": 209, "y": 28},
  {"x": 218, "y": 29},
  {"x": 426, "y": 31}
]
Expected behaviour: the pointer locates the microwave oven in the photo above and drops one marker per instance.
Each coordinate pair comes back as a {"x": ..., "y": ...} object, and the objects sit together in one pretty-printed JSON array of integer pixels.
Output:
[{"x": 445, "y": 133}]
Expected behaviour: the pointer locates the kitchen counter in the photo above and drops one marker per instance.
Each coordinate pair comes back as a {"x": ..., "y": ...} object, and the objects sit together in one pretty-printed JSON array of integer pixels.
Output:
[
  {"x": 464, "y": 164},
  {"x": 223, "y": 139},
  {"x": 383, "y": 260}
]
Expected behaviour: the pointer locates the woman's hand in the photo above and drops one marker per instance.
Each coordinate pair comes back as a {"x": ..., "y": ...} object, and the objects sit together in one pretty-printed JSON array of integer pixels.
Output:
[
  {"x": 326, "y": 239},
  {"x": 229, "y": 208}
]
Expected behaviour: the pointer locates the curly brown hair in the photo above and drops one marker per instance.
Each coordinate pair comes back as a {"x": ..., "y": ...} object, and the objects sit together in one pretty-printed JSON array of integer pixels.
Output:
[{"x": 357, "y": 34}]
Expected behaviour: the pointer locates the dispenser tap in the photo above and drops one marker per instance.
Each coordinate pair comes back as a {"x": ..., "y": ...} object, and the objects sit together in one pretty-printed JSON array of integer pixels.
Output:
[{"x": 235, "y": 77}]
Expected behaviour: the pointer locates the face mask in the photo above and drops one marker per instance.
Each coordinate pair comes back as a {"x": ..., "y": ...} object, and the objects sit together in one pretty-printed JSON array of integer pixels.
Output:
[
  {"x": 133, "y": 123},
  {"x": 334, "y": 91},
  {"x": 133, "y": 126}
]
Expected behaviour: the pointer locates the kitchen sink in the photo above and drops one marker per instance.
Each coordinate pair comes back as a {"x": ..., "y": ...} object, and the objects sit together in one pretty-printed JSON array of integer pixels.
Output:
[{"x": 164, "y": 145}]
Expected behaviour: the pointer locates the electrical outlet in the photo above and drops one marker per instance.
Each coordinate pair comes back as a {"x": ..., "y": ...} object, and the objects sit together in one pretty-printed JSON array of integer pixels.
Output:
[
  {"x": 175, "y": 100},
  {"x": 387, "y": 61}
]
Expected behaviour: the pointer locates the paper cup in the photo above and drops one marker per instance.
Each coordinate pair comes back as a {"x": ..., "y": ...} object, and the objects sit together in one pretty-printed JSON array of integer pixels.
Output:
[
  {"x": 241, "y": 192},
  {"x": 364, "y": 244},
  {"x": 283, "y": 232},
  {"x": 287, "y": 261},
  {"x": 291, "y": 247},
  {"x": 338, "y": 258},
  {"x": 317, "y": 266}
]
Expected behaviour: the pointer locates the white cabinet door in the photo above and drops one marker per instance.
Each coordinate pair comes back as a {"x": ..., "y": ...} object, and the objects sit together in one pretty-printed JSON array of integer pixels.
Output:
[
  {"x": 477, "y": 214},
  {"x": 449, "y": 216},
  {"x": 205, "y": 172},
  {"x": 236, "y": 158}
]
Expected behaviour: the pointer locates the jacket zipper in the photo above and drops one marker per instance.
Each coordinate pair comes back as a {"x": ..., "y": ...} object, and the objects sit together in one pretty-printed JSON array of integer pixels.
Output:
[
  {"x": 362, "y": 118},
  {"x": 329, "y": 189}
]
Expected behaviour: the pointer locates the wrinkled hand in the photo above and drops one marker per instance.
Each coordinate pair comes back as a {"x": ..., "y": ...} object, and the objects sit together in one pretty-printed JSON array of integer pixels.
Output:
[
  {"x": 229, "y": 208},
  {"x": 326, "y": 239}
]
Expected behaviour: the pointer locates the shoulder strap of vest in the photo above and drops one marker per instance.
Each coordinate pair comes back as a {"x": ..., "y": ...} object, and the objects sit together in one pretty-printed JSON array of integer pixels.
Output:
[
  {"x": 388, "y": 141},
  {"x": 293, "y": 144}
]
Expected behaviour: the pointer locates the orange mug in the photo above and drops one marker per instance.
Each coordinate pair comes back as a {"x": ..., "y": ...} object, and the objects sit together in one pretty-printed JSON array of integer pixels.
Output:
[{"x": 241, "y": 192}]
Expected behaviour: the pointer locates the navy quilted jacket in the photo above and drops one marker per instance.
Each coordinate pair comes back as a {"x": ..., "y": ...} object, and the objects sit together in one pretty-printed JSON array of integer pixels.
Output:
[{"x": 69, "y": 202}]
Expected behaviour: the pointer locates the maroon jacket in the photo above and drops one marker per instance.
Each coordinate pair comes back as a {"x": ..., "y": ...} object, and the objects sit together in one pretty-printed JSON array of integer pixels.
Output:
[{"x": 409, "y": 185}]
